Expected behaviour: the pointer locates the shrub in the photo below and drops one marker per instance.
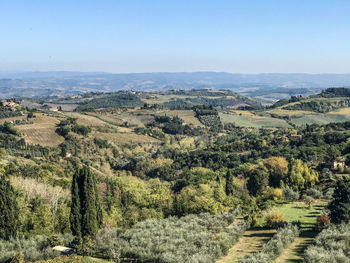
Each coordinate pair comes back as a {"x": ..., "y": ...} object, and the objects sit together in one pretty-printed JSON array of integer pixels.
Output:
[
  {"x": 277, "y": 193},
  {"x": 314, "y": 193},
  {"x": 331, "y": 245},
  {"x": 308, "y": 200},
  {"x": 322, "y": 221},
  {"x": 192, "y": 238},
  {"x": 274, "y": 217},
  {"x": 290, "y": 195}
]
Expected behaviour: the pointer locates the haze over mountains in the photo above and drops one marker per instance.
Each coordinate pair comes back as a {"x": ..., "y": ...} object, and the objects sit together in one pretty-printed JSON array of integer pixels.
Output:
[{"x": 271, "y": 86}]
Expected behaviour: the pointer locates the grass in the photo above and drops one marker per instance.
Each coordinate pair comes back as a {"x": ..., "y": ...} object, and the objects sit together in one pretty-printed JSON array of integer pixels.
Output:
[
  {"x": 2, "y": 120},
  {"x": 291, "y": 113},
  {"x": 298, "y": 211},
  {"x": 320, "y": 119},
  {"x": 343, "y": 111},
  {"x": 187, "y": 116},
  {"x": 87, "y": 120},
  {"x": 253, "y": 121},
  {"x": 42, "y": 131},
  {"x": 243, "y": 112},
  {"x": 95, "y": 260},
  {"x": 124, "y": 138},
  {"x": 251, "y": 242},
  {"x": 253, "y": 239}
]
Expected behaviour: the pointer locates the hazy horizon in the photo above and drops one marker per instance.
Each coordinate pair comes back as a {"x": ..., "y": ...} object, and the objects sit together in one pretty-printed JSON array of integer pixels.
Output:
[{"x": 243, "y": 37}]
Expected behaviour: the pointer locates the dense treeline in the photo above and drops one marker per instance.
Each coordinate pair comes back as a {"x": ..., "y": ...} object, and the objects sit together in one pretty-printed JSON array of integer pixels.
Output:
[
  {"x": 335, "y": 92},
  {"x": 118, "y": 100},
  {"x": 321, "y": 106}
]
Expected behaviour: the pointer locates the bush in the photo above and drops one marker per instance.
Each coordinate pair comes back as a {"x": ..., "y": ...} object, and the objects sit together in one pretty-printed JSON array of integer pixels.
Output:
[
  {"x": 331, "y": 245},
  {"x": 290, "y": 195},
  {"x": 192, "y": 238},
  {"x": 272, "y": 249},
  {"x": 322, "y": 221},
  {"x": 274, "y": 217},
  {"x": 314, "y": 193}
]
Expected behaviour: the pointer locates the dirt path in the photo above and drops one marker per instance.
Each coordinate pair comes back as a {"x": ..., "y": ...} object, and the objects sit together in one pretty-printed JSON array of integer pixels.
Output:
[
  {"x": 250, "y": 242},
  {"x": 294, "y": 253}
]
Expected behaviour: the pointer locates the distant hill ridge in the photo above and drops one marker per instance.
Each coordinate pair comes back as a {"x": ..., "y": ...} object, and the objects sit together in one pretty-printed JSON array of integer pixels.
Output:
[{"x": 328, "y": 100}]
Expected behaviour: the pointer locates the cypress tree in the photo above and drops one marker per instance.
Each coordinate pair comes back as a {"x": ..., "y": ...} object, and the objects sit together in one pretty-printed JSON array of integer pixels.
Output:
[
  {"x": 340, "y": 205},
  {"x": 9, "y": 211},
  {"x": 86, "y": 212},
  {"x": 75, "y": 213},
  {"x": 229, "y": 183}
]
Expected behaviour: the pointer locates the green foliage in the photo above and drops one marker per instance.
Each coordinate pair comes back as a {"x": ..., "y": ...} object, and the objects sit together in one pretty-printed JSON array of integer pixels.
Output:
[
  {"x": 86, "y": 214},
  {"x": 9, "y": 210},
  {"x": 229, "y": 187},
  {"x": 8, "y": 128},
  {"x": 321, "y": 106},
  {"x": 30, "y": 249},
  {"x": 257, "y": 182},
  {"x": 193, "y": 238},
  {"x": 301, "y": 176},
  {"x": 340, "y": 205},
  {"x": 6, "y": 113},
  {"x": 331, "y": 245},
  {"x": 117, "y": 100},
  {"x": 81, "y": 129},
  {"x": 101, "y": 143}
]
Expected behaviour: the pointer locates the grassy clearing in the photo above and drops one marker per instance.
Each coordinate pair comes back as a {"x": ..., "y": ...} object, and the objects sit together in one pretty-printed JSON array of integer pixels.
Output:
[
  {"x": 320, "y": 119},
  {"x": 124, "y": 138},
  {"x": 42, "y": 131},
  {"x": 253, "y": 121},
  {"x": 87, "y": 120},
  {"x": 253, "y": 239},
  {"x": 12, "y": 119},
  {"x": 291, "y": 113},
  {"x": 187, "y": 116},
  {"x": 343, "y": 111},
  {"x": 298, "y": 211}
]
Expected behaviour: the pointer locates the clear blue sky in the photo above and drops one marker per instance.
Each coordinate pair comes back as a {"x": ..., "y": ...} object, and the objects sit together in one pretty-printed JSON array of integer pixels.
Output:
[{"x": 246, "y": 36}]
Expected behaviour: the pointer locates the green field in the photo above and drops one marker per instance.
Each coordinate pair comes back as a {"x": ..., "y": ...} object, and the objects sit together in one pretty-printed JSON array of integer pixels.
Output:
[
  {"x": 320, "y": 119},
  {"x": 253, "y": 121}
]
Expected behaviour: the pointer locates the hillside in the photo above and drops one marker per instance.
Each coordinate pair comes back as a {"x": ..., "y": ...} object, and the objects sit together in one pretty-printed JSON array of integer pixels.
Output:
[{"x": 204, "y": 174}]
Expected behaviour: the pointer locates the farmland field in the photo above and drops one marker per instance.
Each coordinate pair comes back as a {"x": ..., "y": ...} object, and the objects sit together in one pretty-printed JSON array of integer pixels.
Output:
[
  {"x": 283, "y": 112},
  {"x": 87, "y": 120},
  {"x": 320, "y": 119},
  {"x": 343, "y": 111},
  {"x": 253, "y": 121},
  {"x": 186, "y": 115},
  {"x": 42, "y": 131},
  {"x": 124, "y": 138}
]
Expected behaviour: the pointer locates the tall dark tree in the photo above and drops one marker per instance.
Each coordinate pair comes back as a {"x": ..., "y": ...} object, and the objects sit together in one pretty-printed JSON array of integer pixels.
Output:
[
  {"x": 9, "y": 211},
  {"x": 86, "y": 213},
  {"x": 229, "y": 183},
  {"x": 340, "y": 205},
  {"x": 258, "y": 181},
  {"x": 75, "y": 213}
]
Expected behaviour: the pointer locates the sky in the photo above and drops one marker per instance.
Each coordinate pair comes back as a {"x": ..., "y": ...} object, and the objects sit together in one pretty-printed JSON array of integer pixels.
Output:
[{"x": 119, "y": 36}]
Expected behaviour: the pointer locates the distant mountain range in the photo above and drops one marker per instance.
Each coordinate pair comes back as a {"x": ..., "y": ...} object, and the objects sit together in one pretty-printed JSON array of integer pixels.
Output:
[{"x": 269, "y": 87}]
